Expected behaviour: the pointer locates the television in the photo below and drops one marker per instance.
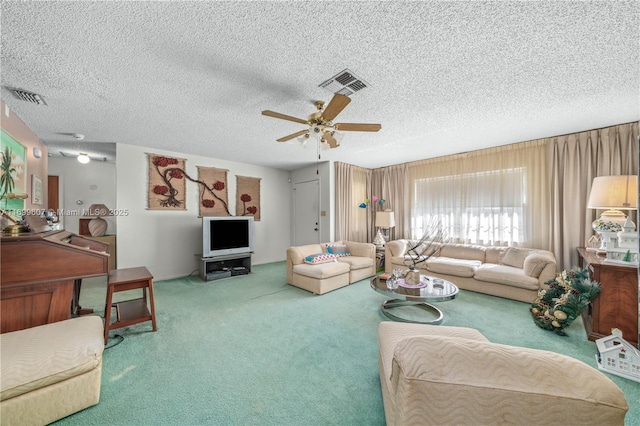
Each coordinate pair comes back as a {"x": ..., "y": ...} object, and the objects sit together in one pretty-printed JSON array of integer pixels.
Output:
[{"x": 225, "y": 235}]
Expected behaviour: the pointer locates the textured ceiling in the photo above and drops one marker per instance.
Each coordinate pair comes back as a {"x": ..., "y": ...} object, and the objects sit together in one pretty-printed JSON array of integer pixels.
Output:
[{"x": 193, "y": 77}]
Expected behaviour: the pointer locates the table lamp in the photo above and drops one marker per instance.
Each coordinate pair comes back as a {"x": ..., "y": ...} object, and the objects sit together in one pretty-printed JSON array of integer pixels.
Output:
[
  {"x": 612, "y": 194},
  {"x": 97, "y": 225},
  {"x": 384, "y": 221}
]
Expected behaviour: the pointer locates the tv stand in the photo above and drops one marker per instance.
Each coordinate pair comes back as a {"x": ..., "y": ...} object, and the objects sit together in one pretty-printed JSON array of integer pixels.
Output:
[{"x": 216, "y": 267}]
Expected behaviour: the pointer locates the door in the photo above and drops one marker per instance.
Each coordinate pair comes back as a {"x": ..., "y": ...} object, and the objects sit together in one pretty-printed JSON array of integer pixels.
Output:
[
  {"x": 53, "y": 199},
  {"x": 306, "y": 213}
]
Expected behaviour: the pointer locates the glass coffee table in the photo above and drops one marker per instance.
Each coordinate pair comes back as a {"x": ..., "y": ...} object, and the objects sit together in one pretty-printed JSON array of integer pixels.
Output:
[{"x": 430, "y": 290}]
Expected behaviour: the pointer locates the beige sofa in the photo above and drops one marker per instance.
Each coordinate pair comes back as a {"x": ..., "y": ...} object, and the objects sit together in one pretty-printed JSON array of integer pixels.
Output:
[
  {"x": 439, "y": 375},
  {"x": 331, "y": 274},
  {"x": 51, "y": 371},
  {"x": 513, "y": 273}
]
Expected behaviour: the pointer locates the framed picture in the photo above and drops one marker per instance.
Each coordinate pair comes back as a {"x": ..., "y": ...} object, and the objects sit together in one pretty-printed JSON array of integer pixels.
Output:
[
  {"x": 36, "y": 190},
  {"x": 13, "y": 163}
]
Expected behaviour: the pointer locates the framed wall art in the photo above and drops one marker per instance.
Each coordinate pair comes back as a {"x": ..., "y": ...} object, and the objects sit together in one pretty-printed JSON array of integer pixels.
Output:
[
  {"x": 36, "y": 190},
  {"x": 13, "y": 173}
]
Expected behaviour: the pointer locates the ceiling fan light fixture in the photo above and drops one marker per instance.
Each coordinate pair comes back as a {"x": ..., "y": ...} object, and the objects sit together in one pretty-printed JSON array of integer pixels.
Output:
[
  {"x": 324, "y": 145},
  {"x": 83, "y": 158},
  {"x": 303, "y": 139},
  {"x": 338, "y": 136}
]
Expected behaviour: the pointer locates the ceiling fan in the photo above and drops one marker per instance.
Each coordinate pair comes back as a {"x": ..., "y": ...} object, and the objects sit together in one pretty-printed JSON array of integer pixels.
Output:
[{"x": 320, "y": 124}]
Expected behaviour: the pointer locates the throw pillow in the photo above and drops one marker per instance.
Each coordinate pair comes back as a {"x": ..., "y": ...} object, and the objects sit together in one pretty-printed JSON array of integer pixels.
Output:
[
  {"x": 534, "y": 263},
  {"x": 338, "y": 250},
  {"x": 514, "y": 257},
  {"x": 315, "y": 259}
]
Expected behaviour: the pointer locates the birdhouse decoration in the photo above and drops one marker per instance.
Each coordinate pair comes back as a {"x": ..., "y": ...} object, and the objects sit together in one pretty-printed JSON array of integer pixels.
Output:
[
  {"x": 617, "y": 356},
  {"x": 624, "y": 247}
]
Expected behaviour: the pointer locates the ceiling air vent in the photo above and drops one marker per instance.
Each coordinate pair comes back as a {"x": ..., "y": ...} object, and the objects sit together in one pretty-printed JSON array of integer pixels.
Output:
[
  {"x": 344, "y": 83},
  {"x": 34, "y": 98}
]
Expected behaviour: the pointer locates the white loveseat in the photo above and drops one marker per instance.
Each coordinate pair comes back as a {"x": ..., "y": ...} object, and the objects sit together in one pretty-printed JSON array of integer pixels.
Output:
[
  {"x": 513, "y": 273},
  {"x": 329, "y": 273}
]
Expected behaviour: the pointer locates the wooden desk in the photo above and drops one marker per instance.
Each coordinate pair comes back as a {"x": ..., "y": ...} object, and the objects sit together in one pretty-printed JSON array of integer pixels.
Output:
[
  {"x": 617, "y": 304},
  {"x": 133, "y": 311},
  {"x": 40, "y": 275}
]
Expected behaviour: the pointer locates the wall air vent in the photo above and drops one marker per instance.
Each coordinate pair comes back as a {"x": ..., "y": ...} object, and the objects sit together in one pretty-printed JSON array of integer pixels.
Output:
[
  {"x": 23, "y": 95},
  {"x": 344, "y": 83}
]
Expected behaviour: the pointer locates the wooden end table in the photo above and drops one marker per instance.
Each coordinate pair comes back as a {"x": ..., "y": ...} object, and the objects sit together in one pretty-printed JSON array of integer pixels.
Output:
[{"x": 133, "y": 311}]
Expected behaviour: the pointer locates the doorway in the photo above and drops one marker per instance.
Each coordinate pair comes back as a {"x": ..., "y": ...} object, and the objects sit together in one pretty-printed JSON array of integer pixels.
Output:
[
  {"x": 53, "y": 197},
  {"x": 306, "y": 212}
]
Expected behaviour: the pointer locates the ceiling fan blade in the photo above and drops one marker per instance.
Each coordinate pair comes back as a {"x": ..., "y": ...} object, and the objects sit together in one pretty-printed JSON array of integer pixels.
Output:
[
  {"x": 330, "y": 140},
  {"x": 357, "y": 127},
  {"x": 284, "y": 117},
  {"x": 293, "y": 135},
  {"x": 336, "y": 105}
]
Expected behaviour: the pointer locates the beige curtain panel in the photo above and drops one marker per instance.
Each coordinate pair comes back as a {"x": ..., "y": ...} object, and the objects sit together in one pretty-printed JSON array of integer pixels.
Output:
[
  {"x": 574, "y": 160},
  {"x": 352, "y": 222},
  {"x": 392, "y": 184}
]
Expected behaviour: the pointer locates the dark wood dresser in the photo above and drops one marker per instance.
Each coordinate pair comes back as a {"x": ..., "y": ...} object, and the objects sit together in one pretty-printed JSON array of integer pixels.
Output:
[{"x": 617, "y": 304}]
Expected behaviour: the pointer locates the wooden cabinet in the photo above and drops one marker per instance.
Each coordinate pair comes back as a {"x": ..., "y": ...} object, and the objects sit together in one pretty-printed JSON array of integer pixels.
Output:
[
  {"x": 617, "y": 304},
  {"x": 110, "y": 240}
]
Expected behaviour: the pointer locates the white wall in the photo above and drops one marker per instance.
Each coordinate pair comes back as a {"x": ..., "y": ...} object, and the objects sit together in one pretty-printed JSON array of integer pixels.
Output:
[
  {"x": 90, "y": 183},
  {"x": 166, "y": 241}
]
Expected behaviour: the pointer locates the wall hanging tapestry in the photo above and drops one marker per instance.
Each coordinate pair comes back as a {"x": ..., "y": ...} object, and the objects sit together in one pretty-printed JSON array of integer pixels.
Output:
[
  {"x": 248, "y": 196},
  {"x": 212, "y": 192},
  {"x": 167, "y": 183}
]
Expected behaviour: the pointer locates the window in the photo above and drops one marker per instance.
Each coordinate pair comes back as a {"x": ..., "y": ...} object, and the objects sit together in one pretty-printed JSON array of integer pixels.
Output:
[{"x": 485, "y": 207}]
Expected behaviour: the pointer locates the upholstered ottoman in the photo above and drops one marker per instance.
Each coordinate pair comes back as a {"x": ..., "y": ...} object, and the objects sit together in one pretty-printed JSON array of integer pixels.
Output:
[
  {"x": 435, "y": 375},
  {"x": 50, "y": 371}
]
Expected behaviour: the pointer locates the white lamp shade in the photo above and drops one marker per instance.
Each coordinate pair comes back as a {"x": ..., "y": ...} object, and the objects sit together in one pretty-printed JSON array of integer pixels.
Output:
[
  {"x": 614, "y": 192},
  {"x": 385, "y": 219},
  {"x": 98, "y": 210}
]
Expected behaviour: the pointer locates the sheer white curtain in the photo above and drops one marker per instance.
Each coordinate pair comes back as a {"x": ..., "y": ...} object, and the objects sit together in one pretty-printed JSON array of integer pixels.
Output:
[
  {"x": 493, "y": 196},
  {"x": 352, "y": 185}
]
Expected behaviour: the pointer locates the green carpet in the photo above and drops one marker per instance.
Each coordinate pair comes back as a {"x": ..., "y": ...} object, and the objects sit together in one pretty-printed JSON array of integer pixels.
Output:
[{"x": 252, "y": 350}]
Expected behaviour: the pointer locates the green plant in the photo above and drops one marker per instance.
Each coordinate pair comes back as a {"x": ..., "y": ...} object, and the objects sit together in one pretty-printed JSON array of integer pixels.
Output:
[{"x": 568, "y": 295}]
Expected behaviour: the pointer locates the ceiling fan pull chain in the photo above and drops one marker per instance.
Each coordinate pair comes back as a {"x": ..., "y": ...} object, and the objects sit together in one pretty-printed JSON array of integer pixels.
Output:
[{"x": 318, "y": 162}]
